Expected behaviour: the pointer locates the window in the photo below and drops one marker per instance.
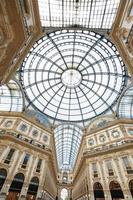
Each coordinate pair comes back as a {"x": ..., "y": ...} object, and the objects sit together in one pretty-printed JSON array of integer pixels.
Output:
[
  {"x": 91, "y": 142},
  {"x": 130, "y": 131},
  {"x": 127, "y": 165},
  {"x": 23, "y": 127},
  {"x": 102, "y": 138},
  {"x": 94, "y": 168},
  {"x": 39, "y": 165},
  {"x": 115, "y": 134},
  {"x": 9, "y": 156},
  {"x": 65, "y": 177},
  {"x": 25, "y": 161},
  {"x": 109, "y": 167}
]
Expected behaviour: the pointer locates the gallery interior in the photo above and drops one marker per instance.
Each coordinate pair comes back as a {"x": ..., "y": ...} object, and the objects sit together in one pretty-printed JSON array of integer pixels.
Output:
[{"x": 66, "y": 99}]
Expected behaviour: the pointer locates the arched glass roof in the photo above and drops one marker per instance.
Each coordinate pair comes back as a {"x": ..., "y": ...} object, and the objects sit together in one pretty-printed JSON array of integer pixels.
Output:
[
  {"x": 67, "y": 142},
  {"x": 73, "y": 75},
  {"x": 98, "y": 14},
  {"x": 11, "y": 98},
  {"x": 125, "y": 106}
]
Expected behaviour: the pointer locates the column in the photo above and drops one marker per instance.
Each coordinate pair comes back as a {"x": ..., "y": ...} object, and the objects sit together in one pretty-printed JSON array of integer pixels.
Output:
[
  {"x": 127, "y": 194},
  {"x": 90, "y": 183},
  {"x": 104, "y": 177},
  {"x": 4, "y": 154},
  {"x": 41, "y": 191},
  {"x": 12, "y": 171},
  {"x": 5, "y": 189},
  {"x": 28, "y": 176},
  {"x": 122, "y": 179}
]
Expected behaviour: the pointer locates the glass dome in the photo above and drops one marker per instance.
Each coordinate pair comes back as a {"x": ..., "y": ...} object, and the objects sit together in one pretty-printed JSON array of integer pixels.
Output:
[
  {"x": 73, "y": 75},
  {"x": 125, "y": 106}
]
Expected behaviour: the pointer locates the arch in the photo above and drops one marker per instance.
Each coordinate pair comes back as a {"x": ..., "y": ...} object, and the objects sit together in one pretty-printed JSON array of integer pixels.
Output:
[
  {"x": 131, "y": 186},
  {"x": 17, "y": 183},
  {"x": 33, "y": 186},
  {"x": 3, "y": 175},
  {"x": 115, "y": 190},
  {"x": 98, "y": 191},
  {"x": 65, "y": 177},
  {"x": 125, "y": 104},
  {"x": 64, "y": 193},
  {"x": 16, "y": 186}
]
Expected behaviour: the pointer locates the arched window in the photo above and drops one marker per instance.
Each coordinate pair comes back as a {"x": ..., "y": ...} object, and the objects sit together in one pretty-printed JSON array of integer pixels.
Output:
[
  {"x": 3, "y": 175},
  {"x": 33, "y": 186},
  {"x": 115, "y": 190},
  {"x": 17, "y": 183},
  {"x": 98, "y": 191},
  {"x": 65, "y": 177},
  {"x": 64, "y": 194}
]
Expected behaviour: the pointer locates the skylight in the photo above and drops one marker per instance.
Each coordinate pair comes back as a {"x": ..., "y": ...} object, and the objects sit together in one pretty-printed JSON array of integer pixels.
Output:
[
  {"x": 67, "y": 142},
  {"x": 98, "y": 14},
  {"x": 73, "y": 75},
  {"x": 11, "y": 97}
]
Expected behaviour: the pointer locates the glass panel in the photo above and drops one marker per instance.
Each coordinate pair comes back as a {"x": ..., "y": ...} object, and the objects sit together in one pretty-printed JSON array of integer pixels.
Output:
[
  {"x": 73, "y": 75},
  {"x": 125, "y": 109},
  {"x": 11, "y": 97},
  {"x": 25, "y": 161},
  {"x": 67, "y": 141},
  {"x": 88, "y": 13}
]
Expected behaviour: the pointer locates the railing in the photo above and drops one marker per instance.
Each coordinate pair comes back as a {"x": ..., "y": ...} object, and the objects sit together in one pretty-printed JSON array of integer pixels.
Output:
[
  {"x": 24, "y": 18},
  {"x": 108, "y": 147},
  {"x": 23, "y": 138}
]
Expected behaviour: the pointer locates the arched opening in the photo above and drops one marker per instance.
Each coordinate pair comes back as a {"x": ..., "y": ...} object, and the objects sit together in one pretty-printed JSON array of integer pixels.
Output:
[
  {"x": 16, "y": 186},
  {"x": 64, "y": 177},
  {"x": 131, "y": 186},
  {"x": 33, "y": 187},
  {"x": 3, "y": 175},
  {"x": 98, "y": 191},
  {"x": 64, "y": 194},
  {"x": 115, "y": 190}
]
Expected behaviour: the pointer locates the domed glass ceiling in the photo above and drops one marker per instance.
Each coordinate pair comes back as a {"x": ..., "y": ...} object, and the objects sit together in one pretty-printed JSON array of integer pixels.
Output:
[{"x": 72, "y": 75}]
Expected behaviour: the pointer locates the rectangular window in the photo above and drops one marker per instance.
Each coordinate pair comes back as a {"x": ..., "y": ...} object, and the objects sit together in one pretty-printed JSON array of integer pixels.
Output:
[
  {"x": 39, "y": 165},
  {"x": 9, "y": 156},
  {"x": 25, "y": 161},
  {"x": 127, "y": 165},
  {"x": 94, "y": 167},
  {"x": 109, "y": 167}
]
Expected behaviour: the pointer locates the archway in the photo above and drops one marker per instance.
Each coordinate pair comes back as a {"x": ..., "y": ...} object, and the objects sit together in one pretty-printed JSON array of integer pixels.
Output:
[
  {"x": 3, "y": 175},
  {"x": 131, "y": 186},
  {"x": 98, "y": 191},
  {"x": 33, "y": 187},
  {"x": 64, "y": 194},
  {"x": 16, "y": 186},
  {"x": 115, "y": 190},
  {"x": 64, "y": 177}
]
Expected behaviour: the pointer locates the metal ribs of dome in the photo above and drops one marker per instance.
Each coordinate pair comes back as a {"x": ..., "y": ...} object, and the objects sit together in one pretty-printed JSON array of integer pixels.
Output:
[{"x": 95, "y": 80}]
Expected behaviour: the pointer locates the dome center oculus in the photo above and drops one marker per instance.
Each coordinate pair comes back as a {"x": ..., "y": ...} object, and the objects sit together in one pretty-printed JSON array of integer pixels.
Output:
[{"x": 71, "y": 78}]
